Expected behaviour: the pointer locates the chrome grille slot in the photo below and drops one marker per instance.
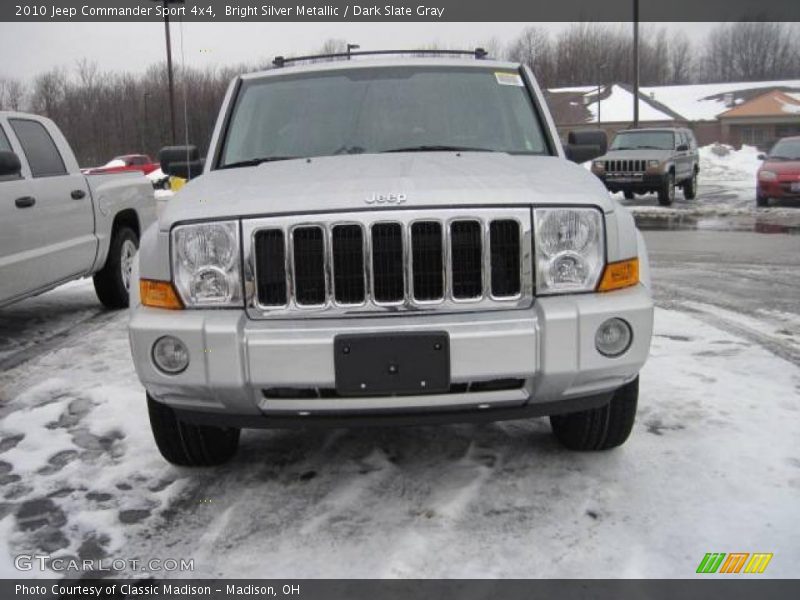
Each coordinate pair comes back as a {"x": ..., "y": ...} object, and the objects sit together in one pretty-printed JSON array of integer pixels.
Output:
[
  {"x": 389, "y": 261},
  {"x": 466, "y": 252},
  {"x": 427, "y": 262},
  {"x": 347, "y": 243},
  {"x": 308, "y": 265},
  {"x": 626, "y": 166},
  {"x": 504, "y": 244},
  {"x": 270, "y": 248}
]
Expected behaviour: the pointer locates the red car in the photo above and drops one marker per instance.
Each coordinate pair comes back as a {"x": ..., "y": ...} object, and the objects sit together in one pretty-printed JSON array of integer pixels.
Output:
[
  {"x": 779, "y": 175},
  {"x": 128, "y": 162}
]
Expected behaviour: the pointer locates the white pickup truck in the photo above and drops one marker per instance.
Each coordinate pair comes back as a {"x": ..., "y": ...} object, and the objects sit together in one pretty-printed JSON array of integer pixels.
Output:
[{"x": 57, "y": 224}]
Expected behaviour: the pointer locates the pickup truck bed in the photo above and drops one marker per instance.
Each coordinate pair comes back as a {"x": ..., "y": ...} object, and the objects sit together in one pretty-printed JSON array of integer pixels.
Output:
[{"x": 57, "y": 224}]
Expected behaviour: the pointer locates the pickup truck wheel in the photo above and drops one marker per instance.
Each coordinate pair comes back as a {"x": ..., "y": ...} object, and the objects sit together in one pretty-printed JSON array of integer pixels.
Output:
[
  {"x": 113, "y": 281},
  {"x": 189, "y": 445},
  {"x": 690, "y": 188},
  {"x": 666, "y": 194},
  {"x": 762, "y": 200},
  {"x": 628, "y": 195},
  {"x": 599, "y": 428}
]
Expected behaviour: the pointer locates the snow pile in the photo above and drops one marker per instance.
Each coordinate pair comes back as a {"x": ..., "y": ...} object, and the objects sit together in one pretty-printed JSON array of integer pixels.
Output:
[
  {"x": 732, "y": 166},
  {"x": 156, "y": 175}
]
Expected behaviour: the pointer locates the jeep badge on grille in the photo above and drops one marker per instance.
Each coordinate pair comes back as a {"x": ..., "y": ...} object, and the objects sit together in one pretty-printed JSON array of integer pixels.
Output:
[{"x": 386, "y": 199}]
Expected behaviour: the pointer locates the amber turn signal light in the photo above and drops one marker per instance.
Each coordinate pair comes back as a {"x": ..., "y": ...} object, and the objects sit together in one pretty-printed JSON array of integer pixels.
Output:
[
  {"x": 619, "y": 275},
  {"x": 159, "y": 294}
]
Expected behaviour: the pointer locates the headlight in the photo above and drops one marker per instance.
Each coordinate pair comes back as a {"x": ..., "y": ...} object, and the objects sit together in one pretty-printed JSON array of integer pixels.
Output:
[
  {"x": 570, "y": 249},
  {"x": 205, "y": 264},
  {"x": 767, "y": 175},
  {"x": 653, "y": 163},
  {"x": 600, "y": 165}
]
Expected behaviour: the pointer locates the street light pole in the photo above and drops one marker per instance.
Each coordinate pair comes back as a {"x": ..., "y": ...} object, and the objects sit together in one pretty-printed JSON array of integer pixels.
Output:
[
  {"x": 170, "y": 75},
  {"x": 636, "y": 63}
]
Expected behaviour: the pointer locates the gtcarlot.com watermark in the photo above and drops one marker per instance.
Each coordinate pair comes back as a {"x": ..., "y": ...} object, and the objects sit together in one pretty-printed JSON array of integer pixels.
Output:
[{"x": 43, "y": 562}]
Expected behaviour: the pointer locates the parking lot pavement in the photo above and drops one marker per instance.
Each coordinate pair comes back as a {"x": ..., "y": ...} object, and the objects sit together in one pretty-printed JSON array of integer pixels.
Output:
[{"x": 712, "y": 464}]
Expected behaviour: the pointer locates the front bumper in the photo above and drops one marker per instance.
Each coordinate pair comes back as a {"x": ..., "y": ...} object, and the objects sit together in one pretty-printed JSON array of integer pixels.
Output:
[
  {"x": 644, "y": 183},
  {"x": 779, "y": 189},
  {"x": 549, "y": 348}
]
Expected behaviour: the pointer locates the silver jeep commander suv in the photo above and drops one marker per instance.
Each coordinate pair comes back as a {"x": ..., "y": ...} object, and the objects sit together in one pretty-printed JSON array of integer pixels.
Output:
[{"x": 388, "y": 241}]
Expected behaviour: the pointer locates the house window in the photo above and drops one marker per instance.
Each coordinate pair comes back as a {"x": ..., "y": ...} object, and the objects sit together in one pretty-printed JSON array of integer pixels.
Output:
[
  {"x": 782, "y": 131},
  {"x": 754, "y": 136}
]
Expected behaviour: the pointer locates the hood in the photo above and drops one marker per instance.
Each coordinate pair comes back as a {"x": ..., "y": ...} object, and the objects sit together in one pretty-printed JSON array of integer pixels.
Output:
[
  {"x": 783, "y": 167},
  {"x": 642, "y": 154},
  {"x": 430, "y": 179}
]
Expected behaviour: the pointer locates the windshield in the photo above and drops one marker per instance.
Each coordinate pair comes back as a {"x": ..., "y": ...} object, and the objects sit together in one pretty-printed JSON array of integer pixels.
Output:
[
  {"x": 369, "y": 110},
  {"x": 632, "y": 140},
  {"x": 786, "y": 149}
]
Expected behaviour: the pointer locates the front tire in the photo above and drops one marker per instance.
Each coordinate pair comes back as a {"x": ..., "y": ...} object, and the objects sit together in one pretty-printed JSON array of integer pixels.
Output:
[
  {"x": 112, "y": 282},
  {"x": 599, "y": 428},
  {"x": 188, "y": 445},
  {"x": 666, "y": 194},
  {"x": 761, "y": 201},
  {"x": 690, "y": 188}
]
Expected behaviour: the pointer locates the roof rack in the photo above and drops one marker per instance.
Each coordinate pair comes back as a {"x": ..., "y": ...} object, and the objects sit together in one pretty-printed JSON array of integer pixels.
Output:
[{"x": 478, "y": 53}]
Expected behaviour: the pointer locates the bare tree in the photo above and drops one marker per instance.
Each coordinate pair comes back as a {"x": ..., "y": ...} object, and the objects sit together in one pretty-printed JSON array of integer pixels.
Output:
[
  {"x": 12, "y": 94},
  {"x": 533, "y": 48},
  {"x": 752, "y": 51},
  {"x": 681, "y": 60}
]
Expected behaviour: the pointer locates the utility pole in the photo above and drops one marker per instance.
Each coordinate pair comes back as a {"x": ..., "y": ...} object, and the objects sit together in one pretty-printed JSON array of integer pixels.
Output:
[
  {"x": 636, "y": 63},
  {"x": 170, "y": 75}
]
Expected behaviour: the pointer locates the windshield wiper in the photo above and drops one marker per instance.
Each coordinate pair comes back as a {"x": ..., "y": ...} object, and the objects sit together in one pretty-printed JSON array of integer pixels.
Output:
[
  {"x": 779, "y": 157},
  {"x": 435, "y": 148},
  {"x": 252, "y": 162}
]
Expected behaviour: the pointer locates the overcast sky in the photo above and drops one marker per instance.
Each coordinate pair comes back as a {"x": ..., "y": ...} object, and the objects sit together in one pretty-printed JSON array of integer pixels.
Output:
[{"x": 30, "y": 48}]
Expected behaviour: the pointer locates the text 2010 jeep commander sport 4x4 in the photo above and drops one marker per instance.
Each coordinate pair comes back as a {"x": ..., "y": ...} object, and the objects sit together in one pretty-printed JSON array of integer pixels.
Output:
[{"x": 388, "y": 241}]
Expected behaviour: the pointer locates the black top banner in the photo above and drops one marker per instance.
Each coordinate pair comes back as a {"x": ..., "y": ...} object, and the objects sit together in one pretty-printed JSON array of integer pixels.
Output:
[{"x": 400, "y": 10}]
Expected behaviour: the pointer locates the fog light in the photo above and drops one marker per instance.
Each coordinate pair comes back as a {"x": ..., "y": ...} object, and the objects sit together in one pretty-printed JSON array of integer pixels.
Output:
[
  {"x": 170, "y": 354},
  {"x": 613, "y": 337}
]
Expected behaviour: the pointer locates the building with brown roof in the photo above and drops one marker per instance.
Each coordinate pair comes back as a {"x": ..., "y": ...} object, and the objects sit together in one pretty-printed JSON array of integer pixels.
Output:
[{"x": 762, "y": 120}]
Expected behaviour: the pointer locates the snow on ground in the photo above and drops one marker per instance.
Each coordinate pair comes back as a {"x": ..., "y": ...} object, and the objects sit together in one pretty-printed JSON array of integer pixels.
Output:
[
  {"x": 712, "y": 465},
  {"x": 46, "y": 317}
]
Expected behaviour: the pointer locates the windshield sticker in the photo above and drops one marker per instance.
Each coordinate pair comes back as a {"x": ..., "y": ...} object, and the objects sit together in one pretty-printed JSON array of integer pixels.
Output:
[{"x": 509, "y": 79}]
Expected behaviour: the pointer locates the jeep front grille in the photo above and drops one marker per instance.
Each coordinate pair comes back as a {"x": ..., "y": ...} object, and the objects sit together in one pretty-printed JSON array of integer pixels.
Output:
[
  {"x": 389, "y": 261},
  {"x": 626, "y": 166}
]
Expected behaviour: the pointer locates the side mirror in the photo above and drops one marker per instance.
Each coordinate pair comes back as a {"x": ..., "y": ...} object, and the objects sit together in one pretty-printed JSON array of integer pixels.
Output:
[
  {"x": 185, "y": 169},
  {"x": 10, "y": 165},
  {"x": 682, "y": 148},
  {"x": 180, "y": 161},
  {"x": 592, "y": 137},
  {"x": 583, "y": 146},
  {"x": 762, "y": 156},
  {"x": 581, "y": 153}
]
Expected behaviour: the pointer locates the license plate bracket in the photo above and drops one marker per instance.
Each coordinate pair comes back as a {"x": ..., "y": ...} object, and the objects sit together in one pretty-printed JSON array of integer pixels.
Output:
[{"x": 392, "y": 364}]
